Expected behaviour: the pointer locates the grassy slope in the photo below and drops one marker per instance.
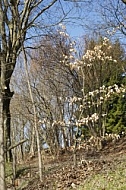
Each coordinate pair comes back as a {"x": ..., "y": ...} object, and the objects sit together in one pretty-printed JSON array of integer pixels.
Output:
[
  {"x": 107, "y": 171},
  {"x": 111, "y": 179}
]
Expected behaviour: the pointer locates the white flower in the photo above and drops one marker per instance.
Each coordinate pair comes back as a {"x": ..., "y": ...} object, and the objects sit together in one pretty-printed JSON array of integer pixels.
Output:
[
  {"x": 91, "y": 93},
  {"x": 115, "y": 61},
  {"x": 101, "y": 98}
]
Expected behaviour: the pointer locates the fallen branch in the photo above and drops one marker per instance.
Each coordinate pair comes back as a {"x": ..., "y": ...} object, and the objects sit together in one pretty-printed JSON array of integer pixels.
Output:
[{"x": 17, "y": 144}]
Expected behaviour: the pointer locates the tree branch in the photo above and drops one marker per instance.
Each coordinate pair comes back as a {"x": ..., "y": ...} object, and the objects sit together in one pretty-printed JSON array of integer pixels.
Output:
[
  {"x": 17, "y": 144},
  {"x": 43, "y": 10},
  {"x": 124, "y": 1}
]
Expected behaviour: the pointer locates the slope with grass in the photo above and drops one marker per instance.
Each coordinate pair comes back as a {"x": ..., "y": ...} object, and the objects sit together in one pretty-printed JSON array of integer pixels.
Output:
[{"x": 103, "y": 170}]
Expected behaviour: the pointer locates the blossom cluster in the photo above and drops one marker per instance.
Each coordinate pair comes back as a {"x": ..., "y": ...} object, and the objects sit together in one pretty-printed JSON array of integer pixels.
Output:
[
  {"x": 62, "y": 30},
  {"x": 85, "y": 120},
  {"x": 98, "y": 54},
  {"x": 70, "y": 56},
  {"x": 98, "y": 96},
  {"x": 55, "y": 123},
  {"x": 95, "y": 99},
  {"x": 59, "y": 123}
]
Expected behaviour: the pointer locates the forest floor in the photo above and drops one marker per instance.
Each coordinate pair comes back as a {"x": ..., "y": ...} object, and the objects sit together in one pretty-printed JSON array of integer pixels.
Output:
[{"x": 95, "y": 170}]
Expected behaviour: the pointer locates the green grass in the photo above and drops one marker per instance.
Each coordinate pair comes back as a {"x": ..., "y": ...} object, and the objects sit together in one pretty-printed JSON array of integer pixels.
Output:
[
  {"x": 21, "y": 171},
  {"x": 8, "y": 169},
  {"x": 114, "y": 179}
]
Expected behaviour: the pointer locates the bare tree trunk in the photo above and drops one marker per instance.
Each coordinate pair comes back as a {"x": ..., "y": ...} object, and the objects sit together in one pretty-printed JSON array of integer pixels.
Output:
[
  {"x": 14, "y": 164},
  {"x": 64, "y": 138},
  {"x": 7, "y": 121},
  {"x": 22, "y": 146},
  {"x": 2, "y": 161},
  {"x": 75, "y": 153},
  {"x": 14, "y": 156},
  {"x": 35, "y": 116},
  {"x": 71, "y": 136},
  {"x": 32, "y": 149}
]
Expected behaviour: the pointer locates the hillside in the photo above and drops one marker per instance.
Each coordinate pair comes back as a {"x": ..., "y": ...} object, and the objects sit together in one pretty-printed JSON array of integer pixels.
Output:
[{"x": 103, "y": 170}]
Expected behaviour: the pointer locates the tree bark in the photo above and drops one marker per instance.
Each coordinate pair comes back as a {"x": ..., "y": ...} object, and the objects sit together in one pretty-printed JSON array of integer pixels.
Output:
[
  {"x": 2, "y": 161},
  {"x": 22, "y": 146},
  {"x": 7, "y": 121},
  {"x": 32, "y": 146}
]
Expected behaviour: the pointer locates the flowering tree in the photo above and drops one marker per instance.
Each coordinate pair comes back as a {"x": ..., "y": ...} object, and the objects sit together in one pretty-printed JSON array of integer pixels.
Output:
[
  {"x": 73, "y": 92},
  {"x": 99, "y": 71}
]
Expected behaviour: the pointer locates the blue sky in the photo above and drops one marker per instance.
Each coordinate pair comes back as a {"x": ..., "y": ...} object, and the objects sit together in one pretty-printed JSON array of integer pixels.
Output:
[
  {"x": 75, "y": 31},
  {"x": 92, "y": 17},
  {"x": 83, "y": 19}
]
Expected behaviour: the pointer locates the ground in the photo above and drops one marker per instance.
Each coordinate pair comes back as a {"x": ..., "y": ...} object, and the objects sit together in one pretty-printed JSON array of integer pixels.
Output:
[{"x": 95, "y": 170}]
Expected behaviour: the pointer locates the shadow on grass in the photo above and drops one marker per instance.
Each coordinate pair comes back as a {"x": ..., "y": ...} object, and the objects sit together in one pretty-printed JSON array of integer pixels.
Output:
[{"x": 21, "y": 171}]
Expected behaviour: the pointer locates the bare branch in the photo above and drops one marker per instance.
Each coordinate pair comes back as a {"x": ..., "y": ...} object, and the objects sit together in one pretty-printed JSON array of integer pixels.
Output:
[
  {"x": 124, "y": 1},
  {"x": 43, "y": 10},
  {"x": 17, "y": 144}
]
